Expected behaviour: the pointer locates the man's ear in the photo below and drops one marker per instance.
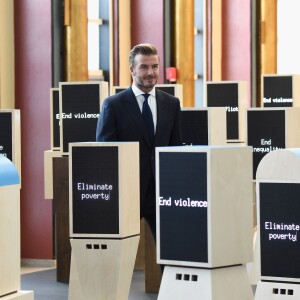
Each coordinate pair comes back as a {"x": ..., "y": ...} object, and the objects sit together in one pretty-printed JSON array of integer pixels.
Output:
[{"x": 131, "y": 69}]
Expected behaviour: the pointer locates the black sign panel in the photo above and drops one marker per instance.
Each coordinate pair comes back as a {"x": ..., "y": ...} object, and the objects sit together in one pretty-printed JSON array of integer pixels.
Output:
[
  {"x": 266, "y": 132},
  {"x": 6, "y": 134},
  {"x": 80, "y": 112},
  {"x": 167, "y": 89},
  {"x": 183, "y": 206},
  {"x": 55, "y": 119},
  {"x": 95, "y": 187},
  {"x": 226, "y": 95},
  {"x": 118, "y": 90},
  {"x": 194, "y": 127},
  {"x": 278, "y": 91},
  {"x": 280, "y": 229}
]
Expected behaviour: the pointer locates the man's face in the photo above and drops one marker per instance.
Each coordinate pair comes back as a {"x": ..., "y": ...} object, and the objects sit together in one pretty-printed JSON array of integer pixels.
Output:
[{"x": 145, "y": 72}]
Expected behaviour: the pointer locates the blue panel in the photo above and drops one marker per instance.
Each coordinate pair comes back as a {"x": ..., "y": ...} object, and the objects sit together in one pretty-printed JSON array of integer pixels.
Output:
[
  {"x": 296, "y": 151},
  {"x": 8, "y": 172}
]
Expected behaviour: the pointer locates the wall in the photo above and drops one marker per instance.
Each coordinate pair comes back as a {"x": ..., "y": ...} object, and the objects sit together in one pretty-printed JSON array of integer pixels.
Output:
[
  {"x": 236, "y": 41},
  {"x": 32, "y": 82},
  {"x": 147, "y": 26}
]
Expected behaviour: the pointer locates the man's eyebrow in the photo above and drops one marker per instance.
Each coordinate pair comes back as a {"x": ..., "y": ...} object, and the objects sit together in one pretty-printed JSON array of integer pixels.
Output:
[{"x": 148, "y": 65}]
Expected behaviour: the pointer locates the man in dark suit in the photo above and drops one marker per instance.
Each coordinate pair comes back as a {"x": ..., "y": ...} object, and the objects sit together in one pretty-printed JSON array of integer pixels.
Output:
[{"x": 122, "y": 119}]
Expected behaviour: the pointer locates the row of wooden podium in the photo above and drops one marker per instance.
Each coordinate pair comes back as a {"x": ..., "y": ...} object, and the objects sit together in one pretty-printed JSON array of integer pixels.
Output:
[{"x": 207, "y": 187}]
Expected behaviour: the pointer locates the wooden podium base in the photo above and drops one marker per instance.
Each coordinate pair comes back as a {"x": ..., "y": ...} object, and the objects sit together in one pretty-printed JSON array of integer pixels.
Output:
[
  {"x": 102, "y": 268},
  {"x": 230, "y": 283},
  {"x": 20, "y": 295},
  {"x": 277, "y": 290}
]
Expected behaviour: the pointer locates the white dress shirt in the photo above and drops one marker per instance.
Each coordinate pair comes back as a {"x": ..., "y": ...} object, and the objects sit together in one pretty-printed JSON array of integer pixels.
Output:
[{"x": 151, "y": 100}]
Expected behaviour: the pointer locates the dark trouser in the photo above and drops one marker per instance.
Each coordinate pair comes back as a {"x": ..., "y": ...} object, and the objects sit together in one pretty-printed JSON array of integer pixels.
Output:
[{"x": 151, "y": 221}]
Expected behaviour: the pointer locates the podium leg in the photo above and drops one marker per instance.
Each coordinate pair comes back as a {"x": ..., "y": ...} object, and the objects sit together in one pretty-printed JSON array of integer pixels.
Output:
[
  {"x": 277, "y": 290},
  {"x": 102, "y": 268},
  {"x": 230, "y": 283}
]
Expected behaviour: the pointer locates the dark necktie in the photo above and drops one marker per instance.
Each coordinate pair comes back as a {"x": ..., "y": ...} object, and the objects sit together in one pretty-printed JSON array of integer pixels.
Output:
[{"x": 147, "y": 115}]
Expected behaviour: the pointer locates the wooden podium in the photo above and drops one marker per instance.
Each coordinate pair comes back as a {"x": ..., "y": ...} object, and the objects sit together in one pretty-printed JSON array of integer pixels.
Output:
[
  {"x": 104, "y": 215},
  {"x": 277, "y": 189},
  {"x": 61, "y": 217},
  {"x": 147, "y": 252},
  {"x": 10, "y": 261},
  {"x": 204, "y": 221}
]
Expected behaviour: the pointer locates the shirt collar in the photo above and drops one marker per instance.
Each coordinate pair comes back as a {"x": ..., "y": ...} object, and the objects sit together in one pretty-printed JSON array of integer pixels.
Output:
[{"x": 138, "y": 92}]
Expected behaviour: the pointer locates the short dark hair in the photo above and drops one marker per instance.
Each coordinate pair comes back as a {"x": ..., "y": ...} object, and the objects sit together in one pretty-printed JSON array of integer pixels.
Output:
[{"x": 145, "y": 49}]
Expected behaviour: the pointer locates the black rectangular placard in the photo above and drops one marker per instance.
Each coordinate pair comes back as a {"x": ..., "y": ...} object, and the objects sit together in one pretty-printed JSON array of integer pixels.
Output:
[
  {"x": 194, "y": 127},
  {"x": 266, "y": 132},
  {"x": 167, "y": 89},
  {"x": 95, "y": 189},
  {"x": 278, "y": 91},
  {"x": 182, "y": 199},
  {"x": 6, "y": 137},
  {"x": 119, "y": 89},
  {"x": 226, "y": 95},
  {"x": 280, "y": 229},
  {"x": 80, "y": 107}
]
